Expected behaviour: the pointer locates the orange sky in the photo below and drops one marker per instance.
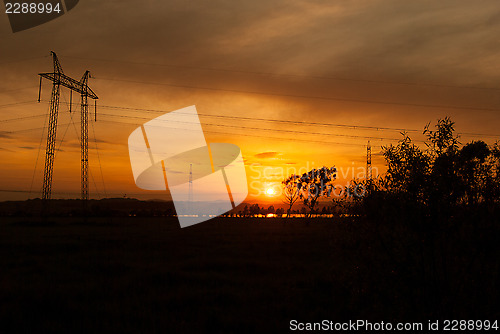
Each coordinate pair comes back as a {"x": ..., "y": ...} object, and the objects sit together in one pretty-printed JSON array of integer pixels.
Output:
[{"x": 384, "y": 64}]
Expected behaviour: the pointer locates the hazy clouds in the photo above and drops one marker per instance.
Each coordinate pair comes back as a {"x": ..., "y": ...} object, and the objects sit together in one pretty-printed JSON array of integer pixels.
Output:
[{"x": 367, "y": 62}]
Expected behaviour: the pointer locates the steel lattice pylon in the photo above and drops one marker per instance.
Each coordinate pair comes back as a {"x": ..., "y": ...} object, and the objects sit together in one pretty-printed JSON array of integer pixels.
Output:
[
  {"x": 369, "y": 161},
  {"x": 51, "y": 143},
  {"x": 84, "y": 143},
  {"x": 190, "y": 194},
  {"x": 58, "y": 79}
]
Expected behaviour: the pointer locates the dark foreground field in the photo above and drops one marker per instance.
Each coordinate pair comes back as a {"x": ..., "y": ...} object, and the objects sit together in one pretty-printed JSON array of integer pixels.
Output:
[{"x": 146, "y": 275}]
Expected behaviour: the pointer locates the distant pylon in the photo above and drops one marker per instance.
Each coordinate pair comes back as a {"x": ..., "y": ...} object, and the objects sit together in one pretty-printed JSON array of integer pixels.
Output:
[
  {"x": 58, "y": 78},
  {"x": 190, "y": 195},
  {"x": 369, "y": 161}
]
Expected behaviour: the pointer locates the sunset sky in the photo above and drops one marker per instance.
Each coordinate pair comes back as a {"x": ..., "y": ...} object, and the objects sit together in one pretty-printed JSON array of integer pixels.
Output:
[{"x": 369, "y": 64}]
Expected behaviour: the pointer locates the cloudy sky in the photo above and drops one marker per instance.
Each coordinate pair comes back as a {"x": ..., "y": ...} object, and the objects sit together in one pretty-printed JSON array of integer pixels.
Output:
[{"x": 383, "y": 64}]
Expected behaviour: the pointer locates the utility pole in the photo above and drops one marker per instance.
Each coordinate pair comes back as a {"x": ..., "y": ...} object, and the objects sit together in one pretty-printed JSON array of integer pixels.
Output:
[{"x": 58, "y": 78}]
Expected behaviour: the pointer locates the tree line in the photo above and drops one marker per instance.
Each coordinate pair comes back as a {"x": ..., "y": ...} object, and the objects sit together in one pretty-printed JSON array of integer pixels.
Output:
[{"x": 443, "y": 178}]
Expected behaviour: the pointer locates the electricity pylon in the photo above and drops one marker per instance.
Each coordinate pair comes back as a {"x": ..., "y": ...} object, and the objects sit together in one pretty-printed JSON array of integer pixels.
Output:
[
  {"x": 58, "y": 79},
  {"x": 190, "y": 194},
  {"x": 369, "y": 161}
]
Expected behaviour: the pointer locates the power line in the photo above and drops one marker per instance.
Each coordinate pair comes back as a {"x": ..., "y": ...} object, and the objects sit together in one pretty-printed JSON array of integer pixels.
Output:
[
  {"x": 348, "y": 126},
  {"x": 149, "y": 193},
  {"x": 59, "y": 148},
  {"x": 99, "y": 160},
  {"x": 16, "y": 104},
  {"x": 54, "y": 192},
  {"x": 288, "y": 139},
  {"x": 21, "y": 118},
  {"x": 38, "y": 153},
  {"x": 429, "y": 84},
  {"x": 15, "y": 90},
  {"x": 303, "y": 123},
  {"x": 327, "y": 98},
  {"x": 23, "y": 59},
  {"x": 265, "y": 129},
  {"x": 27, "y": 130}
]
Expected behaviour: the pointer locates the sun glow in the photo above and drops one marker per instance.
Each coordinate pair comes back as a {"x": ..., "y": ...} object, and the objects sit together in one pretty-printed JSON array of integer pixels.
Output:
[{"x": 269, "y": 191}]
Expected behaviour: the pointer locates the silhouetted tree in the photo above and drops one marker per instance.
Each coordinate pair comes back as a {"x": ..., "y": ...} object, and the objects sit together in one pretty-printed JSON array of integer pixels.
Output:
[
  {"x": 315, "y": 184},
  {"x": 280, "y": 212},
  {"x": 408, "y": 168},
  {"x": 246, "y": 211},
  {"x": 290, "y": 192},
  {"x": 439, "y": 179},
  {"x": 475, "y": 171},
  {"x": 254, "y": 210},
  {"x": 444, "y": 187},
  {"x": 442, "y": 140},
  {"x": 494, "y": 185}
]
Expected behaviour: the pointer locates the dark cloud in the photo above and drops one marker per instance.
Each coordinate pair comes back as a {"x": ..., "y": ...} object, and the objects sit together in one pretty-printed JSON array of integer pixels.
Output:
[
  {"x": 447, "y": 42},
  {"x": 5, "y": 135}
]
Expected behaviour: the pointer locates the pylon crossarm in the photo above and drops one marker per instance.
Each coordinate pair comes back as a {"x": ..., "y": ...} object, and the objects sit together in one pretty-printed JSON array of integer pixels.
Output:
[{"x": 70, "y": 83}]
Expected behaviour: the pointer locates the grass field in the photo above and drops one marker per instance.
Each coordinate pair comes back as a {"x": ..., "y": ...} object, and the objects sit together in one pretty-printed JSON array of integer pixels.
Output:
[{"x": 146, "y": 275}]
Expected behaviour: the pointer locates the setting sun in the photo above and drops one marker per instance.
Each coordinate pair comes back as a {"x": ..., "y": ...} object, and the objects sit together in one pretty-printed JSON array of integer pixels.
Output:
[{"x": 269, "y": 191}]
